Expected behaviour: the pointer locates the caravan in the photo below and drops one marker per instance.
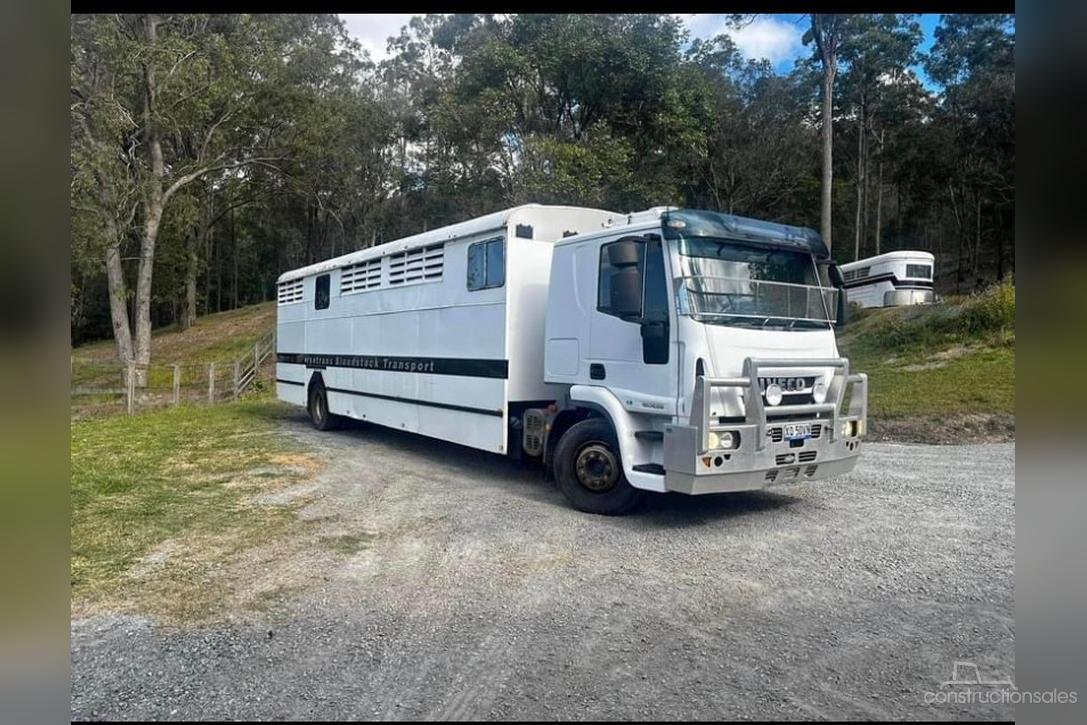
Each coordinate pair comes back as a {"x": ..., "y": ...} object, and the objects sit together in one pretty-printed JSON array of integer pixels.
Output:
[
  {"x": 666, "y": 350},
  {"x": 891, "y": 279}
]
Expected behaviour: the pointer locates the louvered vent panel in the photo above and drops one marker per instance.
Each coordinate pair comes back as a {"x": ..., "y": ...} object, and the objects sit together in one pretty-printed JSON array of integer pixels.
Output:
[
  {"x": 361, "y": 277},
  {"x": 290, "y": 292},
  {"x": 417, "y": 265}
]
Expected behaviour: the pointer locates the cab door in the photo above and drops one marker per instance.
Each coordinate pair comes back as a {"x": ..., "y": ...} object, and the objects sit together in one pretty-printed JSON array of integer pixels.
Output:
[{"x": 631, "y": 340}]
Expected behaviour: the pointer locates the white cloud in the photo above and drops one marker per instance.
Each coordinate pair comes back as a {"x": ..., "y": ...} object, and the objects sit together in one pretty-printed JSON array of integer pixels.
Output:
[
  {"x": 773, "y": 38},
  {"x": 373, "y": 30}
]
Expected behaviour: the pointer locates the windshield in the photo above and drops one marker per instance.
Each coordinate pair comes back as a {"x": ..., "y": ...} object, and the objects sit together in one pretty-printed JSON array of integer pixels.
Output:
[{"x": 731, "y": 283}]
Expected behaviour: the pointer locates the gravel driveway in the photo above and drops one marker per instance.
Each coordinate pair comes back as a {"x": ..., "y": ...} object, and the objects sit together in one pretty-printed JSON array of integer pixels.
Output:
[{"x": 478, "y": 593}]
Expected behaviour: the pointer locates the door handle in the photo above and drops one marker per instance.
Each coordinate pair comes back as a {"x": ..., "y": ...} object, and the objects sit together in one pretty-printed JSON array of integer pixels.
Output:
[{"x": 597, "y": 372}]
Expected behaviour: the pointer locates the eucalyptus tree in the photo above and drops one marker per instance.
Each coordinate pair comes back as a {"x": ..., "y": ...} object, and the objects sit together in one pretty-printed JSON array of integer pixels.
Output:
[
  {"x": 170, "y": 100},
  {"x": 827, "y": 32},
  {"x": 877, "y": 54},
  {"x": 973, "y": 58}
]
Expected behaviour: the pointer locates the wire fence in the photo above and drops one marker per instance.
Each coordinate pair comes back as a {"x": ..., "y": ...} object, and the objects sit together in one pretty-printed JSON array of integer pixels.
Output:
[{"x": 111, "y": 387}]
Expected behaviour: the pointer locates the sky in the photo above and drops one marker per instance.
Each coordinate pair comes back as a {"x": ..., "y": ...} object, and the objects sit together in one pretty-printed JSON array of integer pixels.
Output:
[{"x": 774, "y": 37}]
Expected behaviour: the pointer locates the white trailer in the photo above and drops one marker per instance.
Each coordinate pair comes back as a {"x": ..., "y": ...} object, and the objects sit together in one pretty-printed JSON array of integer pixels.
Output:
[
  {"x": 667, "y": 350},
  {"x": 891, "y": 279}
]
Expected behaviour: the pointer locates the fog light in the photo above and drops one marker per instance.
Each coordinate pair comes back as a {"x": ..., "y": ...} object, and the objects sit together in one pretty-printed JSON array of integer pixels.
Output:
[
  {"x": 773, "y": 394},
  {"x": 730, "y": 439},
  {"x": 713, "y": 441},
  {"x": 819, "y": 393},
  {"x": 861, "y": 427}
]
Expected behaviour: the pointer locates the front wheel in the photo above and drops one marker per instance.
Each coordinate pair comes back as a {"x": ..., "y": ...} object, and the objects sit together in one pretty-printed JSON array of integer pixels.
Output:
[{"x": 589, "y": 470}]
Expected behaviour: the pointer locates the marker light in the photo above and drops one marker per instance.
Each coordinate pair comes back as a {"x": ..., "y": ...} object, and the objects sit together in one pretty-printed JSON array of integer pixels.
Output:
[
  {"x": 773, "y": 394},
  {"x": 819, "y": 393}
]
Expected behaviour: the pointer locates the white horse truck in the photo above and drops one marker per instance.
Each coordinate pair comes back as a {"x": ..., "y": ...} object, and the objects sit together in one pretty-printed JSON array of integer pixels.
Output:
[
  {"x": 665, "y": 350},
  {"x": 890, "y": 280}
]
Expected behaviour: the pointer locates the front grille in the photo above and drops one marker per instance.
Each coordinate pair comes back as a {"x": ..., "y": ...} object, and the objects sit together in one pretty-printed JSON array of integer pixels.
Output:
[
  {"x": 816, "y": 429},
  {"x": 783, "y": 458},
  {"x": 806, "y": 457},
  {"x": 775, "y": 434}
]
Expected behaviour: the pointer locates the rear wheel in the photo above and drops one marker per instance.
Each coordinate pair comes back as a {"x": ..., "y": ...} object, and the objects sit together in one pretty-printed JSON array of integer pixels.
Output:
[
  {"x": 589, "y": 470},
  {"x": 318, "y": 409}
]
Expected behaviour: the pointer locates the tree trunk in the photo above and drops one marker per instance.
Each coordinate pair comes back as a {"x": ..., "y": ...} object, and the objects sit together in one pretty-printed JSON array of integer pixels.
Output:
[
  {"x": 977, "y": 239},
  {"x": 999, "y": 246},
  {"x": 234, "y": 249},
  {"x": 828, "y": 148},
  {"x": 153, "y": 208},
  {"x": 879, "y": 194},
  {"x": 961, "y": 234},
  {"x": 143, "y": 289},
  {"x": 188, "y": 308},
  {"x": 118, "y": 308},
  {"x": 858, "y": 225}
]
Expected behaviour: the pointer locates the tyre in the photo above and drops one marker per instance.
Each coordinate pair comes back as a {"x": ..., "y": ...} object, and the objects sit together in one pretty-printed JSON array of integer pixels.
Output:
[
  {"x": 319, "y": 414},
  {"x": 589, "y": 470}
]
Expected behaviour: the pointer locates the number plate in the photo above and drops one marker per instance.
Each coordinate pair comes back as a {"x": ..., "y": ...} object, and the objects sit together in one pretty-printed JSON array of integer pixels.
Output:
[{"x": 796, "y": 431}]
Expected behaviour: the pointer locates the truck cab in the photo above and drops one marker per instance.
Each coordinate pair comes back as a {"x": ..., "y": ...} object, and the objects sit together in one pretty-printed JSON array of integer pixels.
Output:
[{"x": 695, "y": 352}]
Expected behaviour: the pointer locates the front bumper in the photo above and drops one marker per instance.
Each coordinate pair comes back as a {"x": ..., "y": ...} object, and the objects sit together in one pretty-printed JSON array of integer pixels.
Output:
[{"x": 764, "y": 456}]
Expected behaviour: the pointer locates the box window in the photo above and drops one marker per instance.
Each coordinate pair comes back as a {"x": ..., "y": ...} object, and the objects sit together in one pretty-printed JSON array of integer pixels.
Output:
[
  {"x": 486, "y": 264},
  {"x": 321, "y": 293}
]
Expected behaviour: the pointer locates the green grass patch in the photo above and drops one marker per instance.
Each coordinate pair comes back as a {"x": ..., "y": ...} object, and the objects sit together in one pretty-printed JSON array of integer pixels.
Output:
[
  {"x": 937, "y": 364},
  {"x": 173, "y": 492},
  {"x": 347, "y": 543}
]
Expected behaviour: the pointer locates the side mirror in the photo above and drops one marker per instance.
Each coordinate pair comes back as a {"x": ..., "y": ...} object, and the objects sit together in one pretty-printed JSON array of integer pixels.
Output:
[
  {"x": 836, "y": 279},
  {"x": 625, "y": 258},
  {"x": 843, "y": 308},
  {"x": 655, "y": 342},
  {"x": 626, "y": 292}
]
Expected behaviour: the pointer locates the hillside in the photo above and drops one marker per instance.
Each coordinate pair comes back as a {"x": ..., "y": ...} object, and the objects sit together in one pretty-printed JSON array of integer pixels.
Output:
[
  {"x": 214, "y": 338},
  {"x": 941, "y": 373}
]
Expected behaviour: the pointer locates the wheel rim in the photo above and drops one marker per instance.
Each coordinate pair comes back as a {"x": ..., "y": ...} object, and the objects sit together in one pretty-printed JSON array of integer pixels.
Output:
[
  {"x": 596, "y": 467},
  {"x": 318, "y": 408}
]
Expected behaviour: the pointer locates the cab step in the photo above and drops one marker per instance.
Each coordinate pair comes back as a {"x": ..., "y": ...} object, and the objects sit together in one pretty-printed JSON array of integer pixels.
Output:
[
  {"x": 649, "y": 435},
  {"x": 654, "y": 468}
]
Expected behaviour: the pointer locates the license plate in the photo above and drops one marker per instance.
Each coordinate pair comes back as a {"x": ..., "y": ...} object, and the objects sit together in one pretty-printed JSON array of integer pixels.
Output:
[{"x": 797, "y": 431}]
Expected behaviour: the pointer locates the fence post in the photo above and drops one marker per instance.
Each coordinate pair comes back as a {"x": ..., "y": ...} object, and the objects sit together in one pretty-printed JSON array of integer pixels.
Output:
[
  {"x": 177, "y": 384},
  {"x": 130, "y": 385},
  {"x": 237, "y": 377},
  {"x": 211, "y": 382},
  {"x": 256, "y": 358}
]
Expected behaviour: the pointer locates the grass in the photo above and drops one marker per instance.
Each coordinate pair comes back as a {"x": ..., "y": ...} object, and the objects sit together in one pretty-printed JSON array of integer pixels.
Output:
[
  {"x": 934, "y": 366},
  {"x": 221, "y": 338},
  {"x": 162, "y": 501}
]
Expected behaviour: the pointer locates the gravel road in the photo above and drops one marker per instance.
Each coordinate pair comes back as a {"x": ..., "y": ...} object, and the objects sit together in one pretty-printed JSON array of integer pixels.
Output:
[{"x": 478, "y": 593}]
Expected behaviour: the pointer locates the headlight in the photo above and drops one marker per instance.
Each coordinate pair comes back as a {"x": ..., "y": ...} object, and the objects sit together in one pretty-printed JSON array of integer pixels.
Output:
[
  {"x": 847, "y": 428},
  {"x": 730, "y": 439},
  {"x": 713, "y": 440},
  {"x": 773, "y": 394},
  {"x": 819, "y": 393}
]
